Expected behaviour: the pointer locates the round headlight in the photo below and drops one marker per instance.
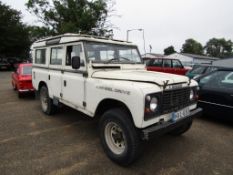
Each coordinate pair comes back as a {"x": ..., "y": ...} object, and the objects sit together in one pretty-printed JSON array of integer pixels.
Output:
[
  {"x": 153, "y": 104},
  {"x": 191, "y": 96}
]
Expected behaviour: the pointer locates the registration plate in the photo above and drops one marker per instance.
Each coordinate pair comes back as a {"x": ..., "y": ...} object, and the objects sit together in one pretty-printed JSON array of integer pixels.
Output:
[{"x": 180, "y": 114}]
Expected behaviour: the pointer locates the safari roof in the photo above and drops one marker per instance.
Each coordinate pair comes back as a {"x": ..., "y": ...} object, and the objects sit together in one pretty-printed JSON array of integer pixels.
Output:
[{"x": 72, "y": 37}]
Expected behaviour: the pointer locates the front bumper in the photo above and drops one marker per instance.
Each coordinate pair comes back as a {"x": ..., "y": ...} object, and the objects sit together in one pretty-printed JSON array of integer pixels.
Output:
[{"x": 164, "y": 127}]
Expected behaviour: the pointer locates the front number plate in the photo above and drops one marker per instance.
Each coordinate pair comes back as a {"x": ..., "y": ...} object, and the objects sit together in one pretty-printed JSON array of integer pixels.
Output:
[{"x": 180, "y": 114}]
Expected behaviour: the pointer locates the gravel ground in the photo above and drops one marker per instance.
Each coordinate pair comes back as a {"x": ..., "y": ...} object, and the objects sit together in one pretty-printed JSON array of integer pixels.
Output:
[{"x": 68, "y": 143}]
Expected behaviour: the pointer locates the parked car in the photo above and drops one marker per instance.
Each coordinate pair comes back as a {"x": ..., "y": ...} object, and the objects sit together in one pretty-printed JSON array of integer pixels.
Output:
[
  {"x": 173, "y": 66},
  {"x": 106, "y": 79},
  {"x": 199, "y": 70},
  {"x": 4, "y": 65},
  {"x": 216, "y": 92},
  {"x": 22, "y": 79},
  {"x": 14, "y": 62}
]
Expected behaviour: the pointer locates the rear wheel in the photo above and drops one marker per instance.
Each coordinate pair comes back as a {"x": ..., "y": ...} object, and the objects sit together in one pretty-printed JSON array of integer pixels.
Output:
[
  {"x": 46, "y": 103},
  {"x": 119, "y": 137},
  {"x": 182, "y": 129},
  {"x": 14, "y": 86}
]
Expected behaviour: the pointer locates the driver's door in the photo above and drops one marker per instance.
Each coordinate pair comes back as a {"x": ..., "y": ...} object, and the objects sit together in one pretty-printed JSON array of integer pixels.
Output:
[{"x": 73, "y": 81}]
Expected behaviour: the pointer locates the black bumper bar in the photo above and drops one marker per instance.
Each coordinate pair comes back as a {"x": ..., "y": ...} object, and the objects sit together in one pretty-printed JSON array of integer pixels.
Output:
[{"x": 165, "y": 127}]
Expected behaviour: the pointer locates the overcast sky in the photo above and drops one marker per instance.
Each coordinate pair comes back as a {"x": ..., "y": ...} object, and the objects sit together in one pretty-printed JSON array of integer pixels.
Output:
[{"x": 165, "y": 22}]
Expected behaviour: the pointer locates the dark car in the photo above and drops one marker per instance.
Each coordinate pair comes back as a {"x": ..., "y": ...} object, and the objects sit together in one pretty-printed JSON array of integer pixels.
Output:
[
  {"x": 14, "y": 62},
  {"x": 216, "y": 93},
  {"x": 199, "y": 70},
  {"x": 173, "y": 66},
  {"x": 4, "y": 65}
]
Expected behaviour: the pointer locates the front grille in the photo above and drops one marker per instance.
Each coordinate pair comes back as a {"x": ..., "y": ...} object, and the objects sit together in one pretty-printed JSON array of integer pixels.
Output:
[{"x": 175, "y": 99}]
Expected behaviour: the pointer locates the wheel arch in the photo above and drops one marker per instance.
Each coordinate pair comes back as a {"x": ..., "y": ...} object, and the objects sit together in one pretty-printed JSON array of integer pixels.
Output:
[
  {"x": 109, "y": 103},
  {"x": 42, "y": 83}
]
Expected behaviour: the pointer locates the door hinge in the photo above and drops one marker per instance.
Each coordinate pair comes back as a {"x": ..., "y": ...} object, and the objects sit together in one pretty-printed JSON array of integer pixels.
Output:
[
  {"x": 61, "y": 94},
  {"x": 84, "y": 104}
]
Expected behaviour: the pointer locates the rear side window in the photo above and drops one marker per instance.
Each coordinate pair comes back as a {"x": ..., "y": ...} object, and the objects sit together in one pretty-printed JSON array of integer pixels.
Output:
[
  {"x": 56, "y": 56},
  {"x": 27, "y": 70},
  {"x": 155, "y": 62},
  {"x": 40, "y": 56},
  {"x": 167, "y": 63}
]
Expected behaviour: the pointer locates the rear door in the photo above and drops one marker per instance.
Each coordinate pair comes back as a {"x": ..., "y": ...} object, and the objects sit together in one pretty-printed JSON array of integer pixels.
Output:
[
  {"x": 167, "y": 66},
  {"x": 155, "y": 65}
]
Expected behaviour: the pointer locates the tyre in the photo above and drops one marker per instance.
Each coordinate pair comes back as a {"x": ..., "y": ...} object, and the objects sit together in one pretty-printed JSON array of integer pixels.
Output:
[
  {"x": 182, "y": 129},
  {"x": 14, "y": 86},
  {"x": 119, "y": 137},
  {"x": 47, "y": 105}
]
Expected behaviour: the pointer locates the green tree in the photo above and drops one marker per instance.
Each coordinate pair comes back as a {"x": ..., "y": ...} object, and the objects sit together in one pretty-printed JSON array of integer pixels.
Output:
[
  {"x": 193, "y": 47},
  {"x": 169, "y": 50},
  {"x": 37, "y": 32},
  {"x": 76, "y": 16},
  {"x": 219, "y": 47},
  {"x": 13, "y": 33}
]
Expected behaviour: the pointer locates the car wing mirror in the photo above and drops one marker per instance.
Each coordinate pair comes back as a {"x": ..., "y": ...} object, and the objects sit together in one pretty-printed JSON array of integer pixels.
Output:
[{"x": 75, "y": 62}]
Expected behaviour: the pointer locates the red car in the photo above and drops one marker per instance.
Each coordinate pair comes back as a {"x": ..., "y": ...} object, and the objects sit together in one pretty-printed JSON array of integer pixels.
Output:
[
  {"x": 173, "y": 66},
  {"x": 22, "y": 79}
]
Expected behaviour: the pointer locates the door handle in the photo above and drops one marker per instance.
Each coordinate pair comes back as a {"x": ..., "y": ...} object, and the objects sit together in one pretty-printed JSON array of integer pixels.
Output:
[{"x": 65, "y": 83}]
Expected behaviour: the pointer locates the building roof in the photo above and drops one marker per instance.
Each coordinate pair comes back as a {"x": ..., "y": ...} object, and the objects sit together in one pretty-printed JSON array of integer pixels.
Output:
[
  {"x": 152, "y": 55},
  {"x": 226, "y": 62},
  {"x": 199, "y": 56}
]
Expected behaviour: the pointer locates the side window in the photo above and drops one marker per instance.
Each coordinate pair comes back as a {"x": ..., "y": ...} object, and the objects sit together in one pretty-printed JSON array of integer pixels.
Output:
[
  {"x": 56, "y": 56},
  {"x": 72, "y": 51},
  {"x": 155, "y": 62},
  {"x": 176, "y": 64},
  {"x": 167, "y": 63},
  {"x": 158, "y": 62},
  {"x": 40, "y": 56},
  {"x": 219, "y": 79},
  {"x": 227, "y": 82}
]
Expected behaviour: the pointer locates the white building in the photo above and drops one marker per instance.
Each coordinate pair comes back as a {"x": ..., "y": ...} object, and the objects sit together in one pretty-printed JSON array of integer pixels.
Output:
[
  {"x": 191, "y": 59},
  {"x": 227, "y": 62}
]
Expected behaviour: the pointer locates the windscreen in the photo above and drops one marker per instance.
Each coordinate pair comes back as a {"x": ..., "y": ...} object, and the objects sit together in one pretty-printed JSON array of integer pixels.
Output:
[{"x": 111, "y": 53}]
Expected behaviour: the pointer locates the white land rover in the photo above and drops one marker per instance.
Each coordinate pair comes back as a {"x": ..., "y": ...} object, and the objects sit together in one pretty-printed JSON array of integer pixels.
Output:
[{"x": 107, "y": 79}]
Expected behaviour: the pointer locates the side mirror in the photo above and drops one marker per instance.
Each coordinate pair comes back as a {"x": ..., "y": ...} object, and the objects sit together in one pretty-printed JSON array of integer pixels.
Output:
[{"x": 75, "y": 62}]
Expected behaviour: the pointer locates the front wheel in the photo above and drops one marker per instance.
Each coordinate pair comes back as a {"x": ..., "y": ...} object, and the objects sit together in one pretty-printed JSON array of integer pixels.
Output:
[
  {"x": 119, "y": 137},
  {"x": 46, "y": 103}
]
